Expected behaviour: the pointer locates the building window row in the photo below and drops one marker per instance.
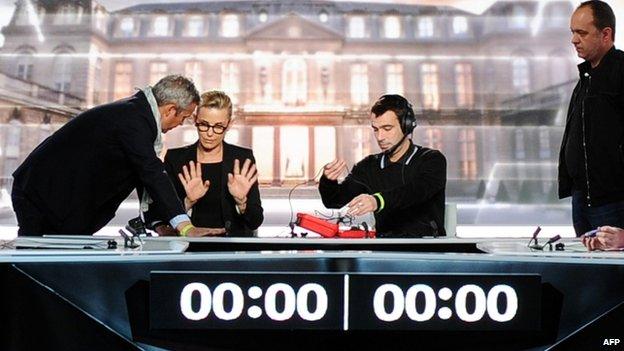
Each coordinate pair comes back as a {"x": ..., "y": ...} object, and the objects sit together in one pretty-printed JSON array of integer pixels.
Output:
[
  {"x": 357, "y": 26},
  {"x": 294, "y": 81},
  {"x": 194, "y": 26},
  {"x": 393, "y": 27}
]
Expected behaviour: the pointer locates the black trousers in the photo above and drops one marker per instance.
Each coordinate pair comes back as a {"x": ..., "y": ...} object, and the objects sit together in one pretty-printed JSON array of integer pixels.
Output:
[{"x": 30, "y": 219}]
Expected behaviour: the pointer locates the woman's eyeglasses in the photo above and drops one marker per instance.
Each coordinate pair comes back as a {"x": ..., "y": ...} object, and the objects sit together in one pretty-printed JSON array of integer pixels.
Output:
[{"x": 217, "y": 128}]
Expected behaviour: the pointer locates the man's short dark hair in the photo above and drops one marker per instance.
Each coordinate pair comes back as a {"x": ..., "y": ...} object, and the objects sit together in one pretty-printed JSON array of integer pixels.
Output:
[
  {"x": 603, "y": 15},
  {"x": 394, "y": 103}
]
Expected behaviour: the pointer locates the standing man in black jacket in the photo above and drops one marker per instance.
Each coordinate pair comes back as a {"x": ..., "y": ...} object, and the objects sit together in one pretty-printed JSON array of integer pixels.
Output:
[
  {"x": 403, "y": 185},
  {"x": 75, "y": 180},
  {"x": 591, "y": 160}
]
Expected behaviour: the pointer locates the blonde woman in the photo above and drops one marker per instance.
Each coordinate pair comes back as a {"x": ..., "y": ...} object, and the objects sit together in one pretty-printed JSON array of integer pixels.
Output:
[{"x": 217, "y": 181}]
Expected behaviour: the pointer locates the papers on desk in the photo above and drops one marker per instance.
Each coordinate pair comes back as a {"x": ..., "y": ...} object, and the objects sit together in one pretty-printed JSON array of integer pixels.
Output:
[
  {"x": 60, "y": 243},
  {"x": 87, "y": 245}
]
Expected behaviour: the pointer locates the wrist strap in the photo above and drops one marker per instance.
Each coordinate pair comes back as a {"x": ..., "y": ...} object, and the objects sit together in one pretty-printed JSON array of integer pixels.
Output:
[
  {"x": 381, "y": 203},
  {"x": 186, "y": 229}
]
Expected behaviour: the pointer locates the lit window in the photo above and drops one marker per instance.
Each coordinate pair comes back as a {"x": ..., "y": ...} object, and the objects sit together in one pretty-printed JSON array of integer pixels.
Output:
[
  {"x": 394, "y": 78},
  {"x": 324, "y": 146},
  {"x": 520, "y": 151},
  {"x": 230, "y": 27},
  {"x": 193, "y": 70},
  {"x": 13, "y": 142},
  {"x": 460, "y": 25},
  {"x": 24, "y": 71},
  {"x": 262, "y": 142},
  {"x": 294, "y": 82},
  {"x": 544, "y": 143},
  {"x": 294, "y": 152},
  {"x": 127, "y": 27},
  {"x": 195, "y": 26},
  {"x": 230, "y": 79},
  {"x": 161, "y": 26},
  {"x": 263, "y": 16},
  {"x": 62, "y": 72},
  {"x": 463, "y": 84},
  {"x": 430, "y": 86},
  {"x": 25, "y": 66},
  {"x": 521, "y": 82},
  {"x": 557, "y": 15},
  {"x": 467, "y": 154},
  {"x": 357, "y": 28},
  {"x": 123, "y": 80},
  {"x": 157, "y": 71},
  {"x": 359, "y": 84},
  {"x": 392, "y": 27},
  {"x": 519, "y": 18},
  {"x": 433, "y": 138},
  {"x": 323, "y": 16},
  {"x": 425, "y": 27},
  {"x": 559, "y": 67},
  {"x": 360, "y": 142}
]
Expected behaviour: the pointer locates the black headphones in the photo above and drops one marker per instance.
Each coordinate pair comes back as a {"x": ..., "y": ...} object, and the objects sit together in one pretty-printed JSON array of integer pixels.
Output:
[{"x": 407, "y": 120}]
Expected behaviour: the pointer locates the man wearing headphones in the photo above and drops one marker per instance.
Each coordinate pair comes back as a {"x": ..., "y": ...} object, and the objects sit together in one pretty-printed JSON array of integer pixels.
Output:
[{"x": 403, "y": 185}]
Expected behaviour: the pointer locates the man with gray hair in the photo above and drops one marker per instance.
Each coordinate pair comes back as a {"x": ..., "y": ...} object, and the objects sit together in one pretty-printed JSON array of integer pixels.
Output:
[{"x": 75, "y": 180}]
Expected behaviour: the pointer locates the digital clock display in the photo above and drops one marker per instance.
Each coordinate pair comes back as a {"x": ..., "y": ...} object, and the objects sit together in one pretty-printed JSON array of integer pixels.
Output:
[
  {"x": 335, "y": 301},
  {"x": 246, "y": 301}
]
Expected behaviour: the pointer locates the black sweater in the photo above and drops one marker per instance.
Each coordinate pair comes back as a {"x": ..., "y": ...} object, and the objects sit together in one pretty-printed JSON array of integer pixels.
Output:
[{"x": 412, "y": 188}]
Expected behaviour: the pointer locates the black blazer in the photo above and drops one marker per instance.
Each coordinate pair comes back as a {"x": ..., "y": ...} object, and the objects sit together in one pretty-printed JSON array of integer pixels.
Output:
[
  {"x": 79, "y": 175},
  {"x": 235, "y": 223}
]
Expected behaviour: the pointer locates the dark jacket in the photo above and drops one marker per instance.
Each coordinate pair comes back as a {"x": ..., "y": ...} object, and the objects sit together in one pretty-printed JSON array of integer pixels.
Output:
[
  {"x": 79, "y": 176},
  {"x": 235, "y": 223},
  {"x": 597, "y": 104},
  {"x": 412, "y": 188}
]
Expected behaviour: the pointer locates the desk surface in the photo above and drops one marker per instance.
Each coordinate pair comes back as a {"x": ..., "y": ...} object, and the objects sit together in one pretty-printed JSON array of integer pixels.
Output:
[{"x": 510, "y": 250}]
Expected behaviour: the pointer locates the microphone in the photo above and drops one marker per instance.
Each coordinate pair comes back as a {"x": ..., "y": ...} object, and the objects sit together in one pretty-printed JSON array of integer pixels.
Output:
[
  {"x": 228, "y": 227},
  {"x": 393, "y": 149},
  {"x": 534, "y": 238},
  {"x": 548, "y": 243},
  {"x": 552, "y": 240}
]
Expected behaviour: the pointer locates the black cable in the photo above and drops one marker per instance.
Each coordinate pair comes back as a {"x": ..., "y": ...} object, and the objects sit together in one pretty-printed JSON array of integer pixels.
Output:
[{"x": 290, "y": 223}]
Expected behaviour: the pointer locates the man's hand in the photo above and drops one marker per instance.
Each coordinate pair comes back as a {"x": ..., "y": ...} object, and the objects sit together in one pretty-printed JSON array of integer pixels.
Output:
[
  {"x": 165, "y": 230},
  {"x": 202, "y": 231},
  {"x": 192, "y": 231},
  {"x": 191, "y": 179},
  {"x": 361, "y": 205},
  {"x": 241, "y": 180},
  {"x": 334, "y": 169},
  {"x": 607, "y": 238}
]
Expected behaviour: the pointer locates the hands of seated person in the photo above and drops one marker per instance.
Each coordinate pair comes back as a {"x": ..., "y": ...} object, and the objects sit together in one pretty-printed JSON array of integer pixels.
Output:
[
  {"x": 607, "y": 238},
  {"x": 194, "y": 186},
  {"x": 240, "y": 181},
  {"x": 334, "y": 169},
  {"x": 361, "y": 205}
]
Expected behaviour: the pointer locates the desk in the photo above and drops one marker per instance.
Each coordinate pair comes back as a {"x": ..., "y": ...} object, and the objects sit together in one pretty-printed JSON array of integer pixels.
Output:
[{"x": 101, "y": 302}]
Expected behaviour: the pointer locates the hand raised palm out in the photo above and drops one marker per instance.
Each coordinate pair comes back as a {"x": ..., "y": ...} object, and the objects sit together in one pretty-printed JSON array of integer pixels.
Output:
[
  {"x": 241, "y": 179},
  {"x": 191, "y": 179}
]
